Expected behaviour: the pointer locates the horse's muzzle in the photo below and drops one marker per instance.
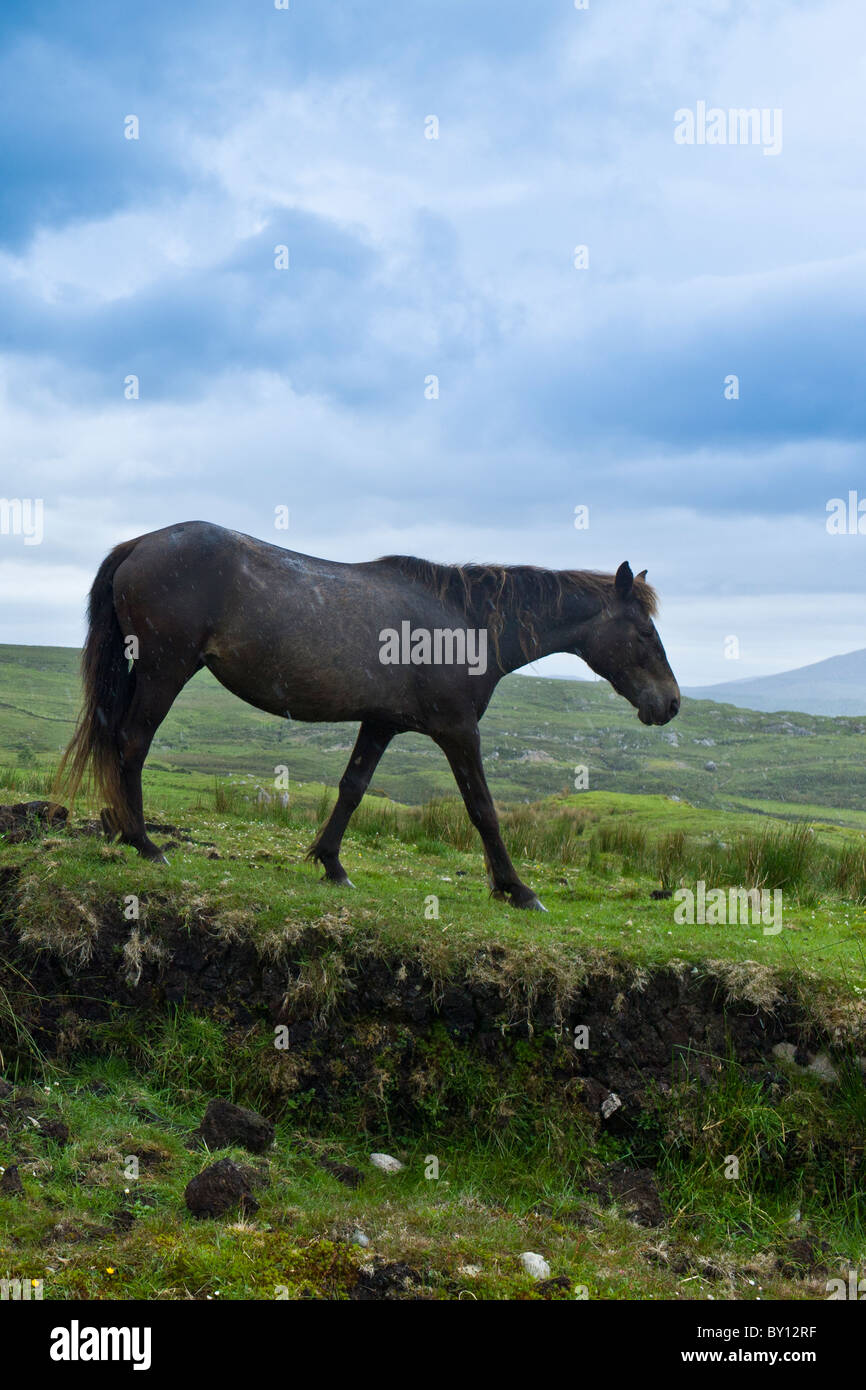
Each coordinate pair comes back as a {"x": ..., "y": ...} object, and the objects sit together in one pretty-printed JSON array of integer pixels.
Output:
[{"x": 659, "y": 711}]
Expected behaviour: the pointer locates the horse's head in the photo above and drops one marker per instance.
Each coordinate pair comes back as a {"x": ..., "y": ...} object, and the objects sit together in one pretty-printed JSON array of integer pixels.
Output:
[{"x": 621, "y": 644}]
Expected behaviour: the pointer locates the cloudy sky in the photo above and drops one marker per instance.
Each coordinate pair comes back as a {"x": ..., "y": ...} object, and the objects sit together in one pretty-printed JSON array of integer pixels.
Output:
[{"x": 453, "y": 257}]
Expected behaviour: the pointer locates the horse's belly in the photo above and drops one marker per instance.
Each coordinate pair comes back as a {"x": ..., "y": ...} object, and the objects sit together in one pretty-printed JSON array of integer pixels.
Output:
[{"x": 321, "y": 694}]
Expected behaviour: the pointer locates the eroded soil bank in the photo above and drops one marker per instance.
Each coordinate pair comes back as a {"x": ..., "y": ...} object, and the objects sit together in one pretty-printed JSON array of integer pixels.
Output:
[{"x": 324, "y": 1015}]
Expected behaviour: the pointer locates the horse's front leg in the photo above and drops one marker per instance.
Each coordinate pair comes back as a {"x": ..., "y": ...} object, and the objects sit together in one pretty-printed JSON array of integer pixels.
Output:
[{"x": 462, "y": 748}]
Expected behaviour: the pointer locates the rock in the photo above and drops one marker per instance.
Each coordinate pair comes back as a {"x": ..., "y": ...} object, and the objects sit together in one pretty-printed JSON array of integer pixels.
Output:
[
  {"x": 358, "y": 1237},
  {"x": 818, "y": 1064},
  {"x": 226, "y": 1125},
  {"x": 535, "y": 1265},
  {"x": 561, "y": 1284},
  {"x": 386, "y": 1163},
  {"x": 822, "y": 1067},
  {"x": 56, "y": 1130},
  {"x": 610, "y": 1105},
  {"x": 10, "y": 1183},
  {"x": 343, "y": 1172},
  {"x": 221, "y": 1188},
  {"x": 710, "y": 767},
  {"x": 598, "y": 1099}
]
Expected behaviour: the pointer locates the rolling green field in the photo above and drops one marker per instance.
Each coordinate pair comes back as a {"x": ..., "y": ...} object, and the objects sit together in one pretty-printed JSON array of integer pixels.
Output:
[
  {"x": 428, "y": 1021},
  {"x": 535, "y": 734}
]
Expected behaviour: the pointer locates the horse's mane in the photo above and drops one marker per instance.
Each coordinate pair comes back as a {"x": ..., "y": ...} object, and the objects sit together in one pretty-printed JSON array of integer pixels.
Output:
[{"x": 527, "y": 587}]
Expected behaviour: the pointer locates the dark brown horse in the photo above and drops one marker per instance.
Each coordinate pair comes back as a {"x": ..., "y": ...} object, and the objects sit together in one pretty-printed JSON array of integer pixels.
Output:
[{"x": 399, "y": 644}]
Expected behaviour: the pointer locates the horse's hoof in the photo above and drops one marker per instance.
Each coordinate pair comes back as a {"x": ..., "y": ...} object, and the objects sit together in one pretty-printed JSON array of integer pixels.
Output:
[
  {"x": 154, "y": 856},
  {"x": 533, "y": 905}
]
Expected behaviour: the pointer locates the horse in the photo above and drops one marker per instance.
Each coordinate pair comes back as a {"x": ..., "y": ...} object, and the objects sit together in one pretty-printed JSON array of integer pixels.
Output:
[{"x": 398, "y": 644}]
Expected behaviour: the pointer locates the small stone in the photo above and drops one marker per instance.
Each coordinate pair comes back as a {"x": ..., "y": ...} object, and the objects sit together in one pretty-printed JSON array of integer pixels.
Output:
[
  {"x": 536, "y": 1265},
  {"x": 386, "y": 1163},
  {"x": 610, "y": 1105},
  {"x": 785, "y": 1051},
  {"x": 358, "y": 1237},
  {"x": 822, "y": 1067},
  {"x": 10, "y": 1183},
  {"x": 343, "y": 1172}
]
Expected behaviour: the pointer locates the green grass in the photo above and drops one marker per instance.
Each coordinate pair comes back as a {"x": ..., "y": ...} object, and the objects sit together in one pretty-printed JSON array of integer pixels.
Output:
[
  {"x": 89, "y": 1230},
  {"x": 514, "y": 1147},
  {"x": 594, "y": 859},
  {"x": 535, "y": 734}
]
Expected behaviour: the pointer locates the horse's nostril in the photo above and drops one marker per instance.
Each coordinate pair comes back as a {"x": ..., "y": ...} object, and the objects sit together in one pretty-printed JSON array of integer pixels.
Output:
[{"x": 675, "y": 707}]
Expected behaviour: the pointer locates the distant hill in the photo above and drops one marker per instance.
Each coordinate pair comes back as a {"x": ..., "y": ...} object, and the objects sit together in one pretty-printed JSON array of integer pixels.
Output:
[
  {"x": 836, "y": 686},
  {"x": 536, "y": 734}
]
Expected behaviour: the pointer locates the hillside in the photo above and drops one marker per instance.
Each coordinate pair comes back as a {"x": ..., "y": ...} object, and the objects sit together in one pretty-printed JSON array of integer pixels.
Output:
[
  {"x": 536, "y": 733},
  {"x": 836, "y": 686}
]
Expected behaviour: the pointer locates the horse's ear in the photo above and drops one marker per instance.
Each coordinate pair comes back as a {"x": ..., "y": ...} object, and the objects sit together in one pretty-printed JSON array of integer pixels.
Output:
[
  {"x": 642, "y": 575},
  {"x": 624, "y": 580}
]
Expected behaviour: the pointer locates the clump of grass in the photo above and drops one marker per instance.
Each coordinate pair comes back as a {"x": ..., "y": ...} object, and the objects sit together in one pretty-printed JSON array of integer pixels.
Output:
[
  {"x": 670, "y": 858},
  {"x": 33, "y": 781}
]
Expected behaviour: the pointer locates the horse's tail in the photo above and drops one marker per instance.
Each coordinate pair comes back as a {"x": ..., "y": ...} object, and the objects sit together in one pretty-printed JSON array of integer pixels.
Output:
[{"x": 108, "y": 690}]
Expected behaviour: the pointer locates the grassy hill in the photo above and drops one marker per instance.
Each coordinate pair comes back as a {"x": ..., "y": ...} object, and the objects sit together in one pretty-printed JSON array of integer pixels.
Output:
[
  {"x": 429, "y": 1022},
  {"x": 447, "y": 1038},
  {"x": 535, "y": 734}
]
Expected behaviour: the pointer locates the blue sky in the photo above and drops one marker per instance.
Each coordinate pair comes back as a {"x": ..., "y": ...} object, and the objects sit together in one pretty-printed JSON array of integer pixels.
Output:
[{"x": 452, "y": 257}]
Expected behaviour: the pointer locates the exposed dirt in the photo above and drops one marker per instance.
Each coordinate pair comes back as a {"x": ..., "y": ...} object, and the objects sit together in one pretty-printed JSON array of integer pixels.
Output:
[
  {"x": 26, "y": 819},
  {"x": 632, "y": 1189}
]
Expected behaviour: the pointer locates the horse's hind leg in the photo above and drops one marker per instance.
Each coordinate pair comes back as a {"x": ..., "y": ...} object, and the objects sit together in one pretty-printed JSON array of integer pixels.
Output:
[
  {"x": 371, "y": 743},
  {"x": 151, "y": 701}
]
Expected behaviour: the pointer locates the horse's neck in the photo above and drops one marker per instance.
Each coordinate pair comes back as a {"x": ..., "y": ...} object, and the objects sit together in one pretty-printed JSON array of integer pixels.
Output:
[{"x": 527, "y": 638}]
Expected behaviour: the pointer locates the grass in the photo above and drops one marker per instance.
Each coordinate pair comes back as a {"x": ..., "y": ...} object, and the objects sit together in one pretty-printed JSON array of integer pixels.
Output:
[
  {"x": 515, "y": 1148},
  {"x": 459, "y": 1214},
  {"x": 534, "y": 735}
]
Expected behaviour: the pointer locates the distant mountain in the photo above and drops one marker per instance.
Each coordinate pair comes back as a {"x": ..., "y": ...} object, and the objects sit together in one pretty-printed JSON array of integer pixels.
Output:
[{"x": 836, "y": 686}]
